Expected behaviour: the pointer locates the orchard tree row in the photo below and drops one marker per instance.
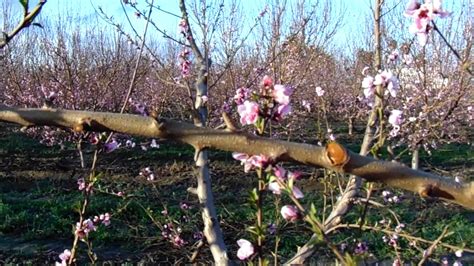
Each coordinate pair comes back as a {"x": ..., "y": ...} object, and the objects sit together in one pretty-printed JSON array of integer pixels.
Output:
[{"x": 271, "y": 88}]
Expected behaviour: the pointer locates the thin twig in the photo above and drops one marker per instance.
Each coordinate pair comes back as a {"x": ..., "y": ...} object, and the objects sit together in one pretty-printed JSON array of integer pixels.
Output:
[{"x": 451, "y": 48}]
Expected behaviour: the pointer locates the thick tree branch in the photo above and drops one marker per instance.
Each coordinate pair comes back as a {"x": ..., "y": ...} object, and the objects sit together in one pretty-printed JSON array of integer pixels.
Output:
[{"x": 334, "y": 156}]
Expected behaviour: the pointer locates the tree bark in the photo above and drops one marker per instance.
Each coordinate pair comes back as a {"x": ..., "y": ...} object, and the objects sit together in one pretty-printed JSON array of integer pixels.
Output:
[
  {"x": 334, "y": 157},
  {"x": 350, "y": 125},
  {"x": 415, "y": 158}
]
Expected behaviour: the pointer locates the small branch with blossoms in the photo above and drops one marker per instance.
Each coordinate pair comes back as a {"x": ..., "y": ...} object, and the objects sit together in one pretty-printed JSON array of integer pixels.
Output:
[{"x": 334, "y": 156}]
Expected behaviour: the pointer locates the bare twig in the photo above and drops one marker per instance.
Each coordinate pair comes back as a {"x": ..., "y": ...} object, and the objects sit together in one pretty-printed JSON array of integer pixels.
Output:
[{"x": 24, "y": 23}]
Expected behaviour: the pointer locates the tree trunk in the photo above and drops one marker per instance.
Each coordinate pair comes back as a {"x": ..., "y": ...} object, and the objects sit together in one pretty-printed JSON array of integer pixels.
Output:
[
  {"x": 350, "y": 124},
  {"x": 415, "y": 159}
]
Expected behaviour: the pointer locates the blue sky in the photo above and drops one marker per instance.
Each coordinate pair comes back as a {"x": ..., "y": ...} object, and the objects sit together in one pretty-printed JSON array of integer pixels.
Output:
[
  {"x": 357, "y": 12},
  {"x": 86, "y": 10}
]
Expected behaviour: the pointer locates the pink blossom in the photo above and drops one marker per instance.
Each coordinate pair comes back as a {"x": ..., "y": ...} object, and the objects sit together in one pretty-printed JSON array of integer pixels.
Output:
[
  {"x": 140, "y": 109},
  {"x": 422, "y": 15},
  {"x": 51, "y": 96},
  {"x": 388, "y": 80},
  {"x": 436, "y": 8},
  {"x": 240, "y": 156},
  {"x": 130, "y": 144},
  {"x": 281, "y": 94},
  {"x": 153, "y": 144},
  {"x": 65, "y": 256},
  {"x": 396, "y": 262},
  {"x": 368, "y": 82},
  {"x": 267, "y": 81},
  {"x": 178, "y": 241},
  {"x": 272, "y": 228},
  {"x": 411, "y": 7},
  {"x": 148, "y": 173},
  {"x": 279, "y": 172},
  {"x": 185, "y": 68},
  {"x": 282, "y": 111},
  {"x": 183, "y": 27},
  {"x": 241, "y": 95},
  {"x": 421, "y": 24},
  {"x": 83, "y": 230},
  {"x": 248, "y": 112},
  {"x": 259, "y": 160},
  {"x": 294, "y": 175},
  {"x": 297, "y": 193},
  {"x": 184, "y": 206},
  {"x": 395, "y": 118},
  {"x": 290, "y": 213},
  {"x": 361, "y": 248},
  {"x": 89, "y": 226},
  {"x": 111, "y": 146},
  {"x": 306, "y": 105},
  {"x": 81, "y": 183},
  {"x": 94, "y": 139},
  {"x": 319, "y": 91},
  {"x": 250, "y": 161},
  {"x": 105, "y": 218},
  {"x": 246, "y": 249},
  {"x": 444, "y": 261},
  {"x": 274, "y": 187},
  {"x": 369, "y": 87}
]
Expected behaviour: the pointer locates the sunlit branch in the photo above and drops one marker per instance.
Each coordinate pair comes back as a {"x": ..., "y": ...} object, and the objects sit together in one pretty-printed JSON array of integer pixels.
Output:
[
  {"x": 334, "y": 157},
  {"x": 25, "y": 22}
]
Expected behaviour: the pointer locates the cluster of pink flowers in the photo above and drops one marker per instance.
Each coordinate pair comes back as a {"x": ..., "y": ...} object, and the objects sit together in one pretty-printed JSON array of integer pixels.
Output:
[
  {"x": 183, "y": 28},
  {"x": 393, "y": 239},
  {"x": 250, "y": 162},
  {"x": 395, "y": 119},
  {"x": 147, "y": 173},
  {"x": 138, "y": 107},
  {"x": 173, "y": 235},
  {"x": 185, "y": 63},
  {"x": 283, "y": 175},
  {"x": 386, "y": 79},
  {"x": 290, "y": 213},
  {"x": 276, "y": 107},
  {"x": 390, "y": 197},
  {"x": 248, "y": 112},
  {"x": 241, "y": 95},
  {"x": 64, "y": 257},
  {"x": 422, "y": 15},
  {"x": 319, "y": 91},
  {"x": 306, "y": 105},
  {"x": 90, "y": 225},
  {"x": 82, "y": 185},
  {"x": 111, "y": 146},
  {"x": 361, "y": 248}
]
